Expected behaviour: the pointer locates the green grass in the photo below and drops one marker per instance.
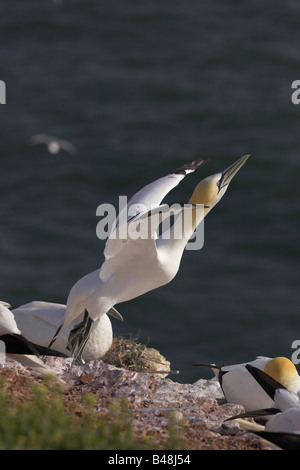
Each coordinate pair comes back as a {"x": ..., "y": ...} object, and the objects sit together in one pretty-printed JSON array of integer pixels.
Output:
[{"x": 42, "y": 422}]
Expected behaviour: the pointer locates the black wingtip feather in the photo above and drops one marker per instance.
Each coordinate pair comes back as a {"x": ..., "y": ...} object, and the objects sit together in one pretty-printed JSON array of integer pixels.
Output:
[
  {"x": 190, "y": 166},
  {"x": 267, "y": 382},
  {"x": 18, "y": 344}
]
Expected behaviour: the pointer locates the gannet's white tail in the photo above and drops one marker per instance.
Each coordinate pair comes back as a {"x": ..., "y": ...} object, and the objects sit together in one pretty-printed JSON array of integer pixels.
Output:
[{"x": 36, "y": 364}]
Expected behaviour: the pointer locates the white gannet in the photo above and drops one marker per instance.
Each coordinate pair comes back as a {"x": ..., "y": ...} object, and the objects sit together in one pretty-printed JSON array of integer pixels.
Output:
[
  {"x": 239, "y": 386},
  {"x": 287, "y": 420},
  {"x": 38, "y": 321},
  {"x": 54, "y": 145},
  {"x": 283, "y": 429},
  {"x": 18, "y": 346},
  {"x": 133, "y": 267},
  {"x": 7, "y": 320}
]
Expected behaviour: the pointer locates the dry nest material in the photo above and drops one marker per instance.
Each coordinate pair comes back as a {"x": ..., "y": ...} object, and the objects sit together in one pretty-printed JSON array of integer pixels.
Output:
[{"x": 132, "y": 355}]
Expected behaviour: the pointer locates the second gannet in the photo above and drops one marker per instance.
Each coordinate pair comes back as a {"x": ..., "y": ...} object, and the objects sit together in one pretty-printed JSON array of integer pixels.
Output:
[
  {"x": 38, "y": 321},
  {"x": 239, "y": 386},
  {"x": 283, "y": 425},
  {"x": 18, "y": 346}
]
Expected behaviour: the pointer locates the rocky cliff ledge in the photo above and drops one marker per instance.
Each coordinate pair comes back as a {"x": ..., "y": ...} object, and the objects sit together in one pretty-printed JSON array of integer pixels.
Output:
[{"x": 199, "y": 409}]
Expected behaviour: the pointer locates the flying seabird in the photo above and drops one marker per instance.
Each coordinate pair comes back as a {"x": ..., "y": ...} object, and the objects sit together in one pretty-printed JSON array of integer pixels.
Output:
[{"x": 54, "y": 144}]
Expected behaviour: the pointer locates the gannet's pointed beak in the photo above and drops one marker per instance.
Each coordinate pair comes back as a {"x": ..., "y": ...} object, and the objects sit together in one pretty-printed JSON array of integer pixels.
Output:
[
  {"x": 232, "y": 170},
  {"x": 113, "y": 312}
]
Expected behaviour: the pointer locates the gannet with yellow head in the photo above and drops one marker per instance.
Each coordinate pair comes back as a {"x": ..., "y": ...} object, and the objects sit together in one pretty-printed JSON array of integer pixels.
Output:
[
  {"x": 239, "y": 386},
  {"x": 134, "y": 266},
  {"x": 283, "y": 418},
  {"x": 284, "y": 372},
  {"x": 211, "y": 189},
  {"x": 285, "y": 391}
]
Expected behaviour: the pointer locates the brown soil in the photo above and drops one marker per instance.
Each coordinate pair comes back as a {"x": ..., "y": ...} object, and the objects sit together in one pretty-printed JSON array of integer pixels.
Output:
[{"x": 199, "y": 409}]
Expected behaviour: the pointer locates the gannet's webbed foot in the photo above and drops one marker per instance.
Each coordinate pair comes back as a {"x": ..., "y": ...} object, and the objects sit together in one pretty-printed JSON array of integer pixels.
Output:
[
  {"x": 77, "y": 358},
  {"x": 78, "y": 338},
  {"x": 75, "y": 333}
]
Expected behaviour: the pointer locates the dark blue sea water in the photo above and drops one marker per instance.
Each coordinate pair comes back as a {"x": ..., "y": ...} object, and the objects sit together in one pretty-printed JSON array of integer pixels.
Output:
[{"x": 140, "y": 88}]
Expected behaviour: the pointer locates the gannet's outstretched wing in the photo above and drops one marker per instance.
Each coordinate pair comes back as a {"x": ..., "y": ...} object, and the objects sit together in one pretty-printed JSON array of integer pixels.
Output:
[{"x": 141, "y": 209}]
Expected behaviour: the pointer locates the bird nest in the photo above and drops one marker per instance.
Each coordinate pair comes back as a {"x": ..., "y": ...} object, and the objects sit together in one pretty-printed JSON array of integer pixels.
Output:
[{"x": 132, "y": 355}]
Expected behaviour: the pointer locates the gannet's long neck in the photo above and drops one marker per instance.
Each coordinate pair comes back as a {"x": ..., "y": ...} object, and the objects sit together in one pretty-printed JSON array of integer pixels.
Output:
[
  {"x": 207, "y": 193},
  {"x": 180, "y": 233}
]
